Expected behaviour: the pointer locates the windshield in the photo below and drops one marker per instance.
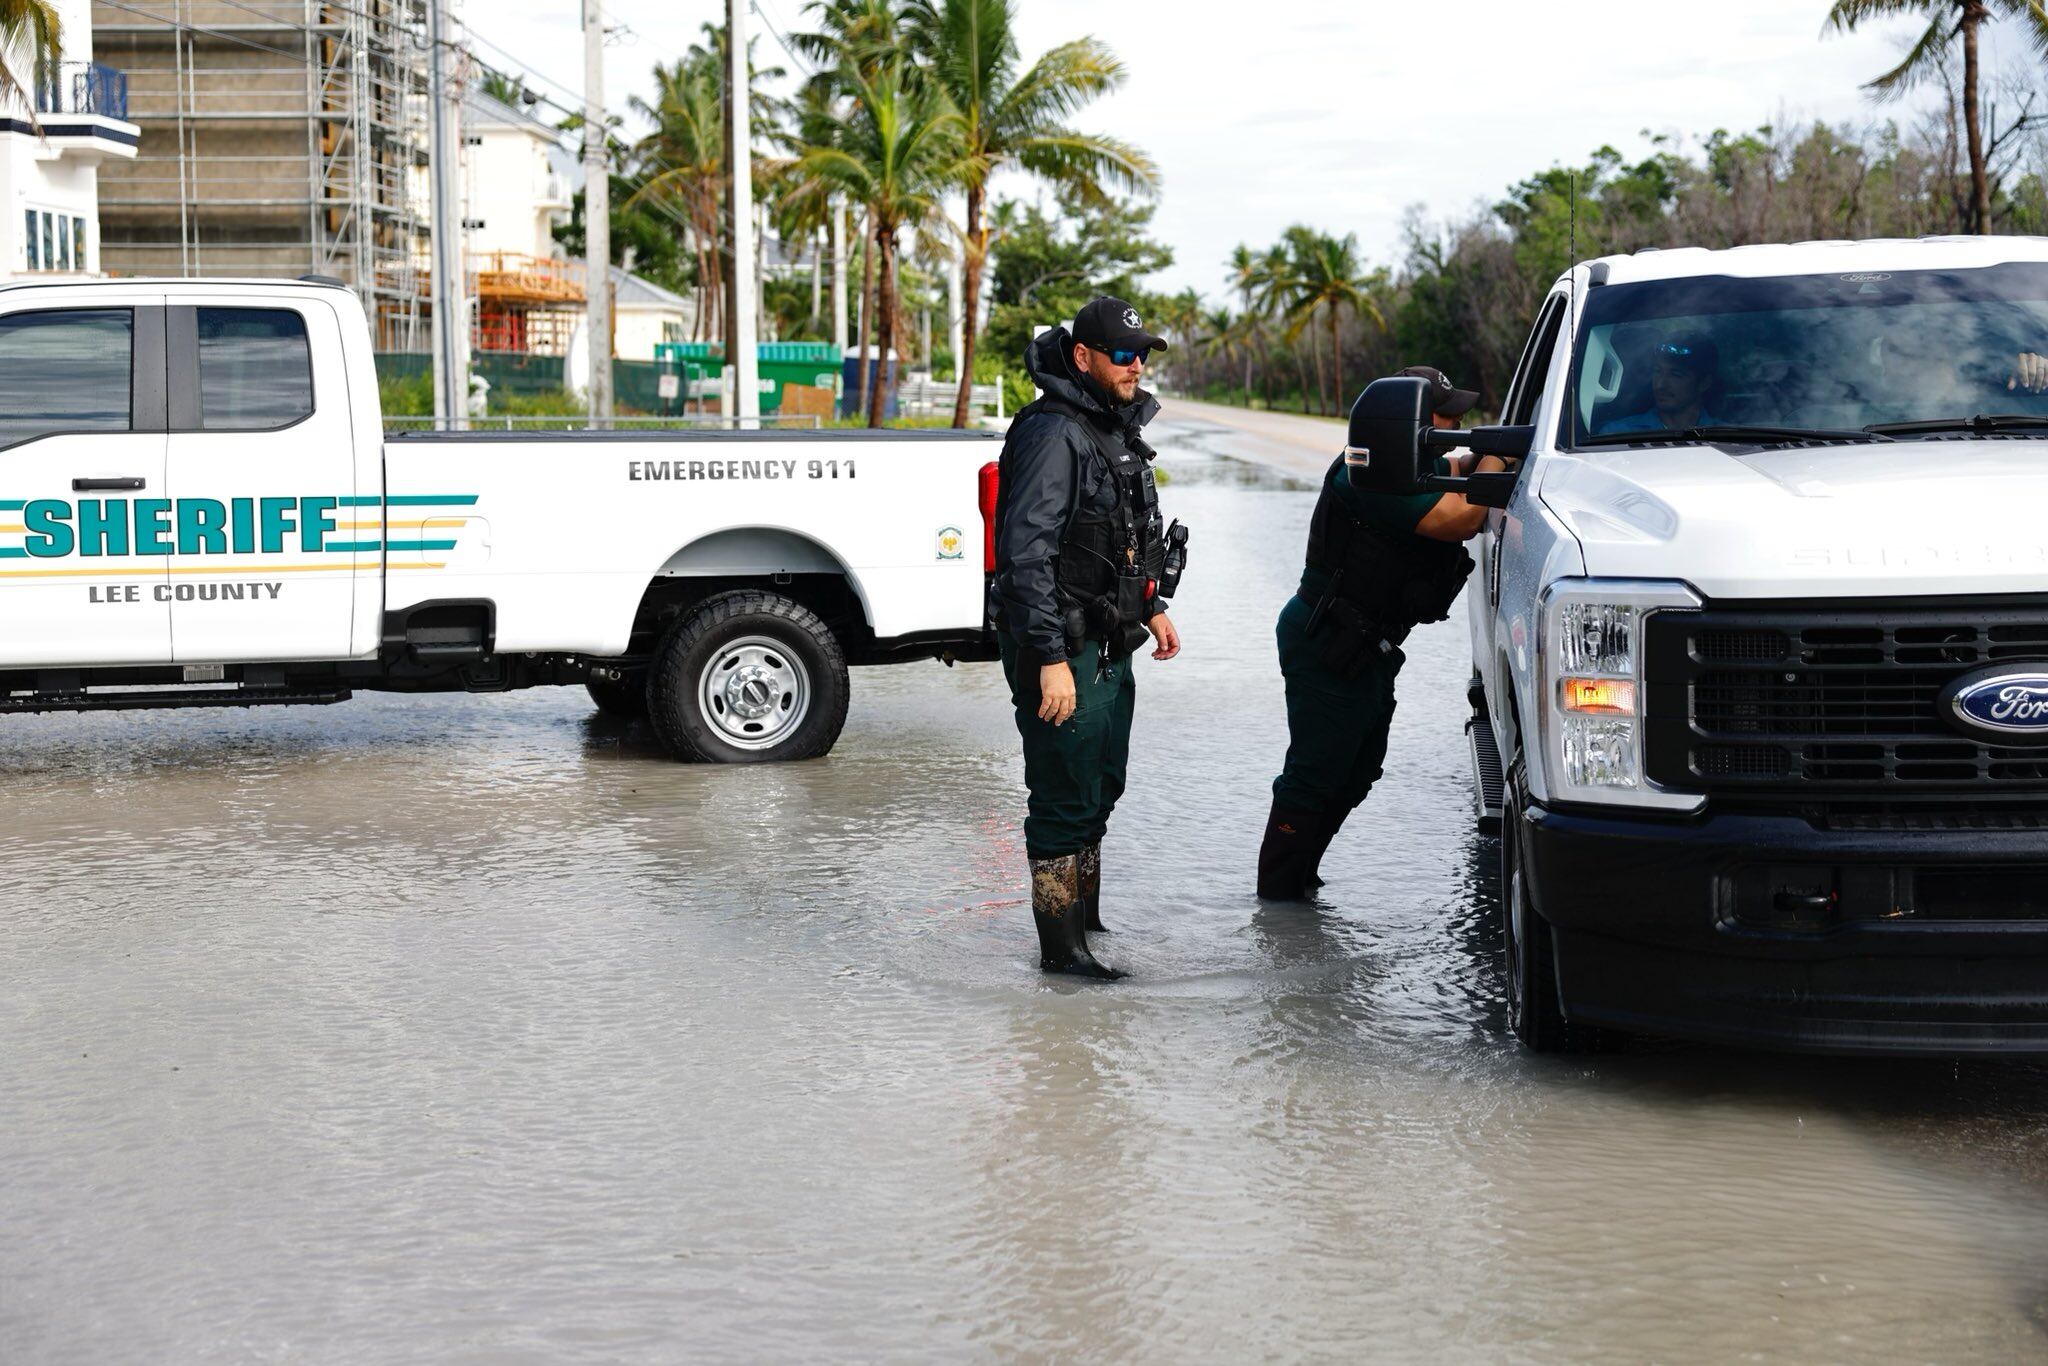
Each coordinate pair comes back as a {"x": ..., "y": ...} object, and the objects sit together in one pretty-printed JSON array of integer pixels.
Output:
[{"x": 1835, "y": 352}]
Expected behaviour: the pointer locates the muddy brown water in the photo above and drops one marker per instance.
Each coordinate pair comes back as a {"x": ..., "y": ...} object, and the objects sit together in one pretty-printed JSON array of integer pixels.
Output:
[{"x": 468, "y": 1029}]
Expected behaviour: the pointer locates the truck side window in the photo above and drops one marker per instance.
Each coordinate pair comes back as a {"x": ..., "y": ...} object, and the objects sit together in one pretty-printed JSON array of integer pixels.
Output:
[
  {"x": 66, "y": 370},
  {"x": 1535, "y": 366},
  {"x": 255, "y": 369}
]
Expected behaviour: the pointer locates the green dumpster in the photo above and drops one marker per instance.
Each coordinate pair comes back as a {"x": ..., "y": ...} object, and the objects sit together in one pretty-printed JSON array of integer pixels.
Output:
[{"x": 702, "y": 368}]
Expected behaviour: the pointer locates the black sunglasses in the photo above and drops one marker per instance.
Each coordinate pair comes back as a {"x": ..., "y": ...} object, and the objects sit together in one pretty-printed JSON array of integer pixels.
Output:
[{"x": 1122, "y": 355}]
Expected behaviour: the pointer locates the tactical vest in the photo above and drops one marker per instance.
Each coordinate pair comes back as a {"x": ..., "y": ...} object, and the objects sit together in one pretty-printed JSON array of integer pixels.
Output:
[
  {"x": 1396, "y": 582},
  {"x": 1110, "y": 558}
]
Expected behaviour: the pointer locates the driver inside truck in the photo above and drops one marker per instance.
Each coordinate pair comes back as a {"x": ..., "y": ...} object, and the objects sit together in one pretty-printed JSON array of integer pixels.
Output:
[{"x": 1687, "y": 367}]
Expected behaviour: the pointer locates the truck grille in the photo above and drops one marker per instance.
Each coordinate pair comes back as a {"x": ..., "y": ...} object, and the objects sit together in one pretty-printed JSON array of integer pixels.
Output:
[{"x": 1835, "y": 701}]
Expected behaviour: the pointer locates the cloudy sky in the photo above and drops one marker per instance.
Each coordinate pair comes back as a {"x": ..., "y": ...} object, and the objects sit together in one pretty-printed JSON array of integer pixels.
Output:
[{"x": 1344, "y": 113}]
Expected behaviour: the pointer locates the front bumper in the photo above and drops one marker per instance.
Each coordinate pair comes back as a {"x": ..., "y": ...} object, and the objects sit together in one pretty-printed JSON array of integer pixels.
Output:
[{"x": 1763, "y": 930}]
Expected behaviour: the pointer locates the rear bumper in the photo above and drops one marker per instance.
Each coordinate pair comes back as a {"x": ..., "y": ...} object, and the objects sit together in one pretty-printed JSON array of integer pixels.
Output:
[{"x": 1762, "y": 930}]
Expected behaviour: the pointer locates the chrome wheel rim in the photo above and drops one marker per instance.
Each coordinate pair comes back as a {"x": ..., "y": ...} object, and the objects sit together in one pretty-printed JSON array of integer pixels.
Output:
[{"x": 754, "y": 692}]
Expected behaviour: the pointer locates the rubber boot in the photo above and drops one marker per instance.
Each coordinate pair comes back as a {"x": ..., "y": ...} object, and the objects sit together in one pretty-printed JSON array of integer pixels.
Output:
[
  {"x": 1091, "y": 889},
  {"x": 1057, "y": 911},
  {"x": 1326, "y": 831},
  {"x": 1288, "y": 854}
]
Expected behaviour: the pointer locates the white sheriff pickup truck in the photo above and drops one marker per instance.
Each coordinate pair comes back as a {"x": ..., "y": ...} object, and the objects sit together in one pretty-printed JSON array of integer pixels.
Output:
[
  {"x": 199, "y": 506},
  {"x": 1760, "y": 646}
]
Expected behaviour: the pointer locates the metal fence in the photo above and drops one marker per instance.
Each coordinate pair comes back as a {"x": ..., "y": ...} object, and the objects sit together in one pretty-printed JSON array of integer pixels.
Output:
[
  {"x": 82, "y": 88},
  {"x": 503, "y": 422}
]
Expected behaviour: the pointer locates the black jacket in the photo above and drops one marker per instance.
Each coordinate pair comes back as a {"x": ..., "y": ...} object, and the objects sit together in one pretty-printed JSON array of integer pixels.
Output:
[{"x": 1049, "y": 467}]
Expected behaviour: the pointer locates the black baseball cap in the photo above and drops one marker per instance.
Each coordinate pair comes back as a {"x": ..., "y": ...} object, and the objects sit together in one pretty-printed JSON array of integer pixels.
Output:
[
  {"x": 1113, "y": 325},
  {"x": 1445, "y": 398}
]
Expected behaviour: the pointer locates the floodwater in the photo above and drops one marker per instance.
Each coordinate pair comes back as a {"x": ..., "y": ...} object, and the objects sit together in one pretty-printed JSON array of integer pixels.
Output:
[{"x": 470, "y": 1030}]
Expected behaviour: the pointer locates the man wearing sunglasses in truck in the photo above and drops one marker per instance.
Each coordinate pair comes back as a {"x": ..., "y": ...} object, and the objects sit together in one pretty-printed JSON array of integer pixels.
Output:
[{"x": 1083, "y": 572}]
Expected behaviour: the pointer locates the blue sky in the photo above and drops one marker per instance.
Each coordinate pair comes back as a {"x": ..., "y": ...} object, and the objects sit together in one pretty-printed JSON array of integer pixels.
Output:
[{"x": 1344, "y": 113}]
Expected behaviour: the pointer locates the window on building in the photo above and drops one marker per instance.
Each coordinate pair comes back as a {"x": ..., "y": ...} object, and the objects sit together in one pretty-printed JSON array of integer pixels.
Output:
[
  {"x": 54, "y": 241},
  {"x": 65, "y": 370},
  {"x": 255, "y": 369}
]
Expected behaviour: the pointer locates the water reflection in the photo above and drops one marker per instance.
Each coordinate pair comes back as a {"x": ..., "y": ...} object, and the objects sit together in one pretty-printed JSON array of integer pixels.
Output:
[{"x": 424, "y": 1027}]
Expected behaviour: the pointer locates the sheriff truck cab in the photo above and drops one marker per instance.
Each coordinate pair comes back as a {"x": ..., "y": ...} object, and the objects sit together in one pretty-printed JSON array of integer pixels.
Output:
[
  {"x": 1760, "y": 646},
  {"x": 199, "y": 506}
]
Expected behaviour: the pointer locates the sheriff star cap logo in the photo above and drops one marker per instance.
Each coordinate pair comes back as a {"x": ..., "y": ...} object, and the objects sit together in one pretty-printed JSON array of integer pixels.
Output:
[{"x": 1109, "y": 323}]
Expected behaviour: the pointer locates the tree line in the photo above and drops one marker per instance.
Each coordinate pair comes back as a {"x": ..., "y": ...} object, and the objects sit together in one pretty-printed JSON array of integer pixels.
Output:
[{"x": 908, "y": 110}]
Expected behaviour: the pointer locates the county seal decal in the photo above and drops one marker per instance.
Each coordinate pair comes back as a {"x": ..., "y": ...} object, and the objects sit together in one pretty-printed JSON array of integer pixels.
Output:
[
  {"x": 952, "y": 543},
  {"x": 2000, "y": 703}
]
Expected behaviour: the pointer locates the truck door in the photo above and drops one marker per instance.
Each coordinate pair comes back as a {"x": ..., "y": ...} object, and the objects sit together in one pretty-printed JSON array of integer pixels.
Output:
[
  {"x": 269, "y": 529},
  {"x": 82, "y": 494},
  {"x": 1525, "y": 395}
]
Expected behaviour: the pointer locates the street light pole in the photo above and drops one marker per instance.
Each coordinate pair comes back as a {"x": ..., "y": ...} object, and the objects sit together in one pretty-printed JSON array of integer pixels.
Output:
[
  {"x": 740, "y": 158},
  {"x": 450, "y": 307},
  {"x": 597, "y": 218}
]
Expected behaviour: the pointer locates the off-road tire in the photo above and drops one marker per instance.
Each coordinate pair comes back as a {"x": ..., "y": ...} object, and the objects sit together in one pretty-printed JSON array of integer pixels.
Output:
[
  {"x": 1536, "y": 1012},
  {"x": 625, "y": 699},
  {"x": 799, "y": 663}
]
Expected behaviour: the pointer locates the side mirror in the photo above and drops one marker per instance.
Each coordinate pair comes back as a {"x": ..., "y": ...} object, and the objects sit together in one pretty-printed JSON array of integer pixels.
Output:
[{"x": 1384, "y": 448}]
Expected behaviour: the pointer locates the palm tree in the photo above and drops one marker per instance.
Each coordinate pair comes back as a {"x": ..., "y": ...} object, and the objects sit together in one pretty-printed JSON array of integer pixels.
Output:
[
  {"x": 898, "y": 154},
  {"x": 683, "y": 164},
  {"x": 1947, "y": 20},
  {"x": 1010, "y": 118},
  {"x": 854, "y": 39},
  {"x": 1326, "y": 278},
  {"x": 32, "y": 30}
]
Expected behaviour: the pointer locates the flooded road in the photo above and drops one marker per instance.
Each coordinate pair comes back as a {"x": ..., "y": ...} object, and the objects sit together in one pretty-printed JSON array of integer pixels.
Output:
[{"x": 470, "y": 1030}]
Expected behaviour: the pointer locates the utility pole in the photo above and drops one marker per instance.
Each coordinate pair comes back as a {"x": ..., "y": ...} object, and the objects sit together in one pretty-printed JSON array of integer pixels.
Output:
[
  {"x": 744, "y": 362},
  {"x": 597, "y": 218},
  {"x": 451, "y": 307}
]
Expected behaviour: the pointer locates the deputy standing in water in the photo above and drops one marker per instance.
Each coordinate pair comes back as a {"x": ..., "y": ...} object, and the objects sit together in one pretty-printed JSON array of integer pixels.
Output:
[
  {"x": 1379, "y": 565},
  {"x": 1083, "y": 573}
]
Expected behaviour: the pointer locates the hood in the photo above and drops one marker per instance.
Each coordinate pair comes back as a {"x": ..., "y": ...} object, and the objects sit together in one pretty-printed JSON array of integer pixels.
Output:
[
  {"x": 1046, "y": 361},
  {"x": 1908, "y": 518}
]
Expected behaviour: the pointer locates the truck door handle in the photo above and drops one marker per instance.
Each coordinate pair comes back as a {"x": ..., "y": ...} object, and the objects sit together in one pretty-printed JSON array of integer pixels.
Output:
[{"x": 108, "y": 485}]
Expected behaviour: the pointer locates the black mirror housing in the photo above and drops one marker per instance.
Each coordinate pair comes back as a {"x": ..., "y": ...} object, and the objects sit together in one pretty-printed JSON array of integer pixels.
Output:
[{"x": 1384, "y": 448}]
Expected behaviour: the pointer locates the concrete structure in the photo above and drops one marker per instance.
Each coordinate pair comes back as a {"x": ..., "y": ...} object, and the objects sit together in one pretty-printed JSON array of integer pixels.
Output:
[
  {"x": 50, "y": 163},
  {"x": 279, "y": 138}
]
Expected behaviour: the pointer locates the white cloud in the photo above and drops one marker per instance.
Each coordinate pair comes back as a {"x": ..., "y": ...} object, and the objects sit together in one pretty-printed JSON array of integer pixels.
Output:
[{"x": 1343, "y": 113}]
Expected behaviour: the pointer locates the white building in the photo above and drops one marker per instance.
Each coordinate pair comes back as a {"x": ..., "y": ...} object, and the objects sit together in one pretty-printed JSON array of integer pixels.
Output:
[
  {"x": 519, "y": 179},
  {"x": 49, "y": 161}
]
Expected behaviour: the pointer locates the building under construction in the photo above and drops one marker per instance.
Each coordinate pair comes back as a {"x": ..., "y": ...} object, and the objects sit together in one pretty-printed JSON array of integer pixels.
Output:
[{"x": 279, "y": 138}]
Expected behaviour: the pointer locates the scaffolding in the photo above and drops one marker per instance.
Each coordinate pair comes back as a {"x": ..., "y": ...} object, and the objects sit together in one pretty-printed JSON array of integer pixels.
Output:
[
  {"x": 525, "y": 303},
  {"x": 279, "y": 138}
]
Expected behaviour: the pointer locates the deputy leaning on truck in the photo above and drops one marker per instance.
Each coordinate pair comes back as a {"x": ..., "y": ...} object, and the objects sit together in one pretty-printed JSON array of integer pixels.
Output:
[
  {"x": 1083, "y": 572},
  {"x": 1378, "y": 566}
]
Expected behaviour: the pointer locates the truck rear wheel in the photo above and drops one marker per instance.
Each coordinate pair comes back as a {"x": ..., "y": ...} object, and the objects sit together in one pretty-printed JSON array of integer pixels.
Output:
[
  {"x": 748, "y": 677},
  {"x": 1535, "y": 1002},
  {"x": 625, "y": 698}
]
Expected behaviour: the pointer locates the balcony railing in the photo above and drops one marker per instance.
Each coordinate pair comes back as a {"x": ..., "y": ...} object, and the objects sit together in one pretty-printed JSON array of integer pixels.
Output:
[{"x": 82, "y": 88}]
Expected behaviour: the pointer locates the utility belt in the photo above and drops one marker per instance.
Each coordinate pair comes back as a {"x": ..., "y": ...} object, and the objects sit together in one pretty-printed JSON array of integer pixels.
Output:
[
  {"x": 1114, "y": 619},
  {"x": 1355, "y": 640}
]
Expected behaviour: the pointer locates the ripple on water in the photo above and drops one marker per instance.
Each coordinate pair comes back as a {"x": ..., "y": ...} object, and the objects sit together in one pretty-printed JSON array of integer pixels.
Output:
[{"x": 430, "y": 1027}]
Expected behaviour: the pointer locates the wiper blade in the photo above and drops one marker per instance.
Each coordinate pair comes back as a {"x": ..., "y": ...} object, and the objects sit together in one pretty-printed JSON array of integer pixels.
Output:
[
  {"x": 1732, "y": 431},
  {"x": 1982, "y": 422}
]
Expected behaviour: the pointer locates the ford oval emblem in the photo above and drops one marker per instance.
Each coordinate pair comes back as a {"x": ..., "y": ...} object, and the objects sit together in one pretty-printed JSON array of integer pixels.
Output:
[{"x": 2002, "y": 703}]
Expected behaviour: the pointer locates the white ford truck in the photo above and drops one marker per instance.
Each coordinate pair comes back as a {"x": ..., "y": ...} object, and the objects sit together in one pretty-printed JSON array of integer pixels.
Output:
[
  {"x": 199, "y": 507},
  {"x": 1760, "y": 646}
]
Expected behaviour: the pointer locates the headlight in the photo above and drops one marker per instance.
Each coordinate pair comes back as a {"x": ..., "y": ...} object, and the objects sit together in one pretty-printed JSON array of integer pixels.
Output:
[{"x": 1591, "y": 674}]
